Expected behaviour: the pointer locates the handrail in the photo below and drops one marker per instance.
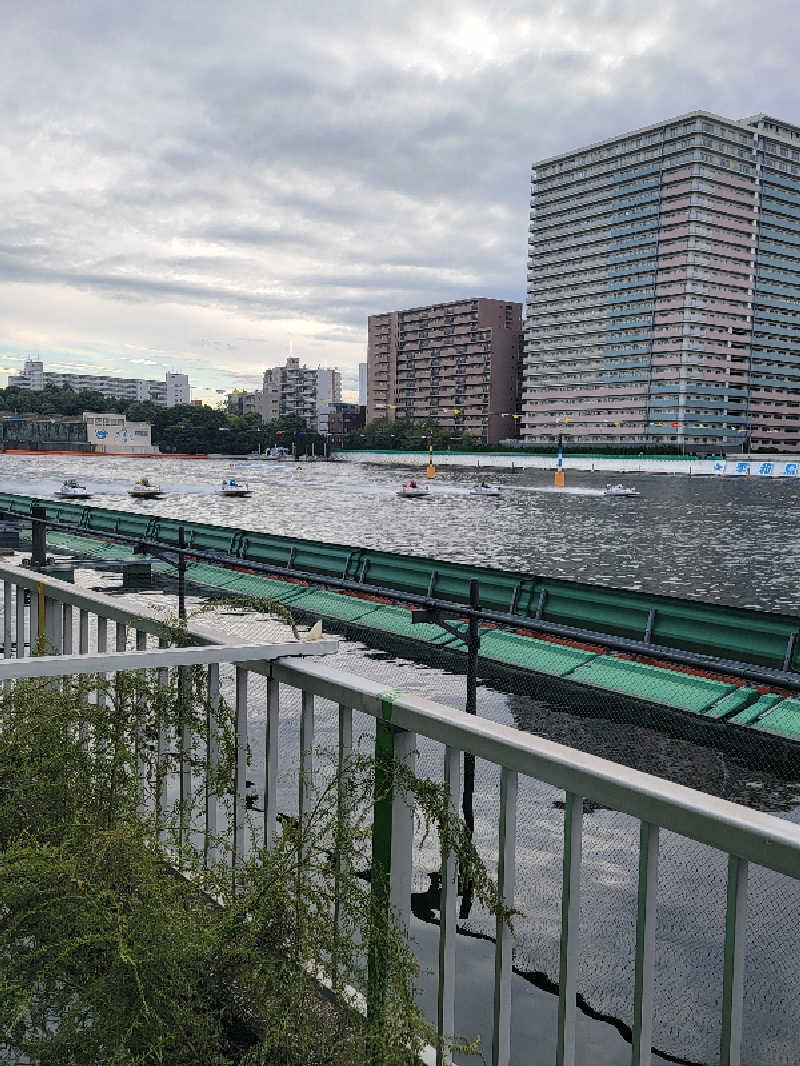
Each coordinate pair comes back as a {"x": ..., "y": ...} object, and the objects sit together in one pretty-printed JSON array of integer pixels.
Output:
[
  {"x": 743, "y": 834},
  {"x": 754, "y": 673},
  {"x": 245, "y": 656},
  {"x": 83, "y": 599},
  {"x": 762, "y": 838}
]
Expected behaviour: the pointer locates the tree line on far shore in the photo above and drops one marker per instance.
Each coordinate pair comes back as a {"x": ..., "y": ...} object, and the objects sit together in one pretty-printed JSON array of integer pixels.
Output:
[{"x": 183, "y": 429}]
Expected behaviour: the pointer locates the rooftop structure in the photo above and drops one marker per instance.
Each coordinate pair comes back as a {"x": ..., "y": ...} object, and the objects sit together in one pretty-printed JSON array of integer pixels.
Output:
[
  {"x": 663, "y": 286},
  {"x": 457, "y": 364}
]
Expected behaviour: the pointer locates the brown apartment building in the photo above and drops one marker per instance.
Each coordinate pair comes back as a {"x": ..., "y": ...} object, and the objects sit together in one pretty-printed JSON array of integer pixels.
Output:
[{"x": 458, "y": 364}]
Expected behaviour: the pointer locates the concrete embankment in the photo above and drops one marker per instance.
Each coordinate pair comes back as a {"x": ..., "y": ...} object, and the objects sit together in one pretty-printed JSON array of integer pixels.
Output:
[{"x": 761, "y": 466}]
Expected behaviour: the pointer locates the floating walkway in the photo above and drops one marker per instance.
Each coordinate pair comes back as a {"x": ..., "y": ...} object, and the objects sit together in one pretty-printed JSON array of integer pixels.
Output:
[{"x": 712, "y": 698}]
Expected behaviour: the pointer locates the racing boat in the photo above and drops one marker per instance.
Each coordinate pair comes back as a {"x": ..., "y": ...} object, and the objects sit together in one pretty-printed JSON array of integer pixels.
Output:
[
  {"x": 620, "y": 490},
  {"x": 73, "y": 490},
  {"x": 145, "y": 489},
  {"x": 233, "y": 488},
  {"x": 484, "y": 490},
  {"x": 413, "y": 491}
]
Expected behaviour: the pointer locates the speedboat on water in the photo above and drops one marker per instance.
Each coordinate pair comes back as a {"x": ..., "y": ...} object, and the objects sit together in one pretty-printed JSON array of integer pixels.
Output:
[
  {"x": 413, "y": 491},
  {"x": 484, "y": 489},
  {"x": 73, "y": 490},
  {"x": 620, "y": 490},
  {"x": 235, "y": 489},
  {"x": 145, "y": 489}
]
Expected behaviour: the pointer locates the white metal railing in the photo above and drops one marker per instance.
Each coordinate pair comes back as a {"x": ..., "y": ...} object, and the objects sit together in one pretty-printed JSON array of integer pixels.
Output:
[{"x": 745, "y": 835}]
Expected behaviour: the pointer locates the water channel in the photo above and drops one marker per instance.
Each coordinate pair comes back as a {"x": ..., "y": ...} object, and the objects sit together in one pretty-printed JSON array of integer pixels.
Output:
[{"x": 724, "y": 540}]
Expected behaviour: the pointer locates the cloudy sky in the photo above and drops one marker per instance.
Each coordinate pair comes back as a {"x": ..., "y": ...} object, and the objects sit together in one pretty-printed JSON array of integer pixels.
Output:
[{"x": 197, "y": 186}]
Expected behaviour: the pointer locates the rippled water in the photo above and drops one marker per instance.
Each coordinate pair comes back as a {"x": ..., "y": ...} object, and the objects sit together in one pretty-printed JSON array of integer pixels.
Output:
[
  {"x": 732, "y": 541},
  {"x": 728, "y": 540}
]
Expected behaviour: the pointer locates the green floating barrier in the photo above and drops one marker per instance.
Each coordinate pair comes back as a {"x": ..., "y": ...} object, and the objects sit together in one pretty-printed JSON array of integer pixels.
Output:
[
  {"x": 543, "y": 656},
  {"x": 785, "y": 720},
  {"x": 761, "y": 637},
  {"x": 347, "y": 608},
  {"x": 733, "y": 702},
  {"x": 656, "y": 684},
  {"x": 397, "y": 620},
  {"x": 755, "y": 710}
]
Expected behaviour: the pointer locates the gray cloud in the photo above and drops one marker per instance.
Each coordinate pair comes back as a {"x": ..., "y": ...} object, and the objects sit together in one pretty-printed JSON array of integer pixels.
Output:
[{"x": 281, "y": 172}]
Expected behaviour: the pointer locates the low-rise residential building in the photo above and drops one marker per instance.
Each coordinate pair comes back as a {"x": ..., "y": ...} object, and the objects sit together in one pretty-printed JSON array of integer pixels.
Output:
[
  {"x": 170, "y": 392},
  {"x": 457, "y": 364}
]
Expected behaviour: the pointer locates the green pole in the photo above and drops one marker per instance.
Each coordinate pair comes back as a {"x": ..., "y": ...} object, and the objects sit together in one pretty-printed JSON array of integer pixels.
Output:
[{"x": 380, "y": 885}]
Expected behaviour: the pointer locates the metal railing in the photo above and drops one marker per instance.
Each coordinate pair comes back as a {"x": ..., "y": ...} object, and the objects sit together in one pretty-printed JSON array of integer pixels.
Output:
[
  {"x": 746, "y": 836},
  {"x": 426, "y": 607}
]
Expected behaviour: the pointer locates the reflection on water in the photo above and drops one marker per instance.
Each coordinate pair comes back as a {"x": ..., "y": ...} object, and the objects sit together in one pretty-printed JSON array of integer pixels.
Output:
[{"x": 731, "y": 541}]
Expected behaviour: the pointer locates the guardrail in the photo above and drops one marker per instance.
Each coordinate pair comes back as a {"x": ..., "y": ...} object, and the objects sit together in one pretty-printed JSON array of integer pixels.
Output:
[
  {"x": 746, "y": 836},
  {"x": 714, "y": 630}
]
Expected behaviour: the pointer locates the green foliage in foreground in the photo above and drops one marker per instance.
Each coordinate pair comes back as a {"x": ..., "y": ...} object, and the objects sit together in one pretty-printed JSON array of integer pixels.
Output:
[{"x": 119, "y": 944}]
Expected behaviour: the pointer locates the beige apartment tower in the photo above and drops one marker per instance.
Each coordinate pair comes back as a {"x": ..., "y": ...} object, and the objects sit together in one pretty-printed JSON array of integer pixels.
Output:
[{"x": 458, "y": 364}]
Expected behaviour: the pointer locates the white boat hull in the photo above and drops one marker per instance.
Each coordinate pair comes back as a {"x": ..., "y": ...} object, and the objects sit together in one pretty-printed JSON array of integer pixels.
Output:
[{"x": 412, "y": 494}]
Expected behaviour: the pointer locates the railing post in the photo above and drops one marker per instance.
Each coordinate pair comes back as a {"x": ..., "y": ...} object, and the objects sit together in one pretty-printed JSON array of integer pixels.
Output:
[
  {"x": 102, "y": 646},
  {"x": 306, "y": 780},
  {"x": 271, "y": 763},
  {"x": 19, "y": 629},
  {"x": 7, "y": 620},
  {"x": 733, "y": 971},
  {"x": 161, "y": 752},
  {"x": 212, "y": 762},
  {"x": 642, "y": 1038},
  {"x": 53, "y": 625},
  {"x": 83, "y": 632},
  {"x": 140, "y": 727},
  {"x": 570, "y": 928},
  {"x": 380, "y": 883},
  {"x": 240, "y": 781},
  {"x": 8, "y": 625},
  {"x": 447, "y": 917},
  {"x": 37, "y": 613},
  {"x": 83, "y": 649},
  {"x": 405, "y": 753},
  {"x": 66, "y": 629},
  {"x": 506, "y": 876},
  {"x": 343, "y": 756}
]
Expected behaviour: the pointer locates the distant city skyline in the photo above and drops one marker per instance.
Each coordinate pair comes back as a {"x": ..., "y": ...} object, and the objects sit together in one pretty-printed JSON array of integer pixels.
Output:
[{"x": 211, "y": 192}]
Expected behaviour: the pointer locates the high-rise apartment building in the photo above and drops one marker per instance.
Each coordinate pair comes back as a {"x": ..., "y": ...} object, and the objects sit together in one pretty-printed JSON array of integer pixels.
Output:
[
  {"x": 170, "y": 392},
  {"x": 457, "y": 364},
  {"x": 303, "y": 391},
  {"x": 362, "y": 384},
  {"x": 664, "y": 288}
]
